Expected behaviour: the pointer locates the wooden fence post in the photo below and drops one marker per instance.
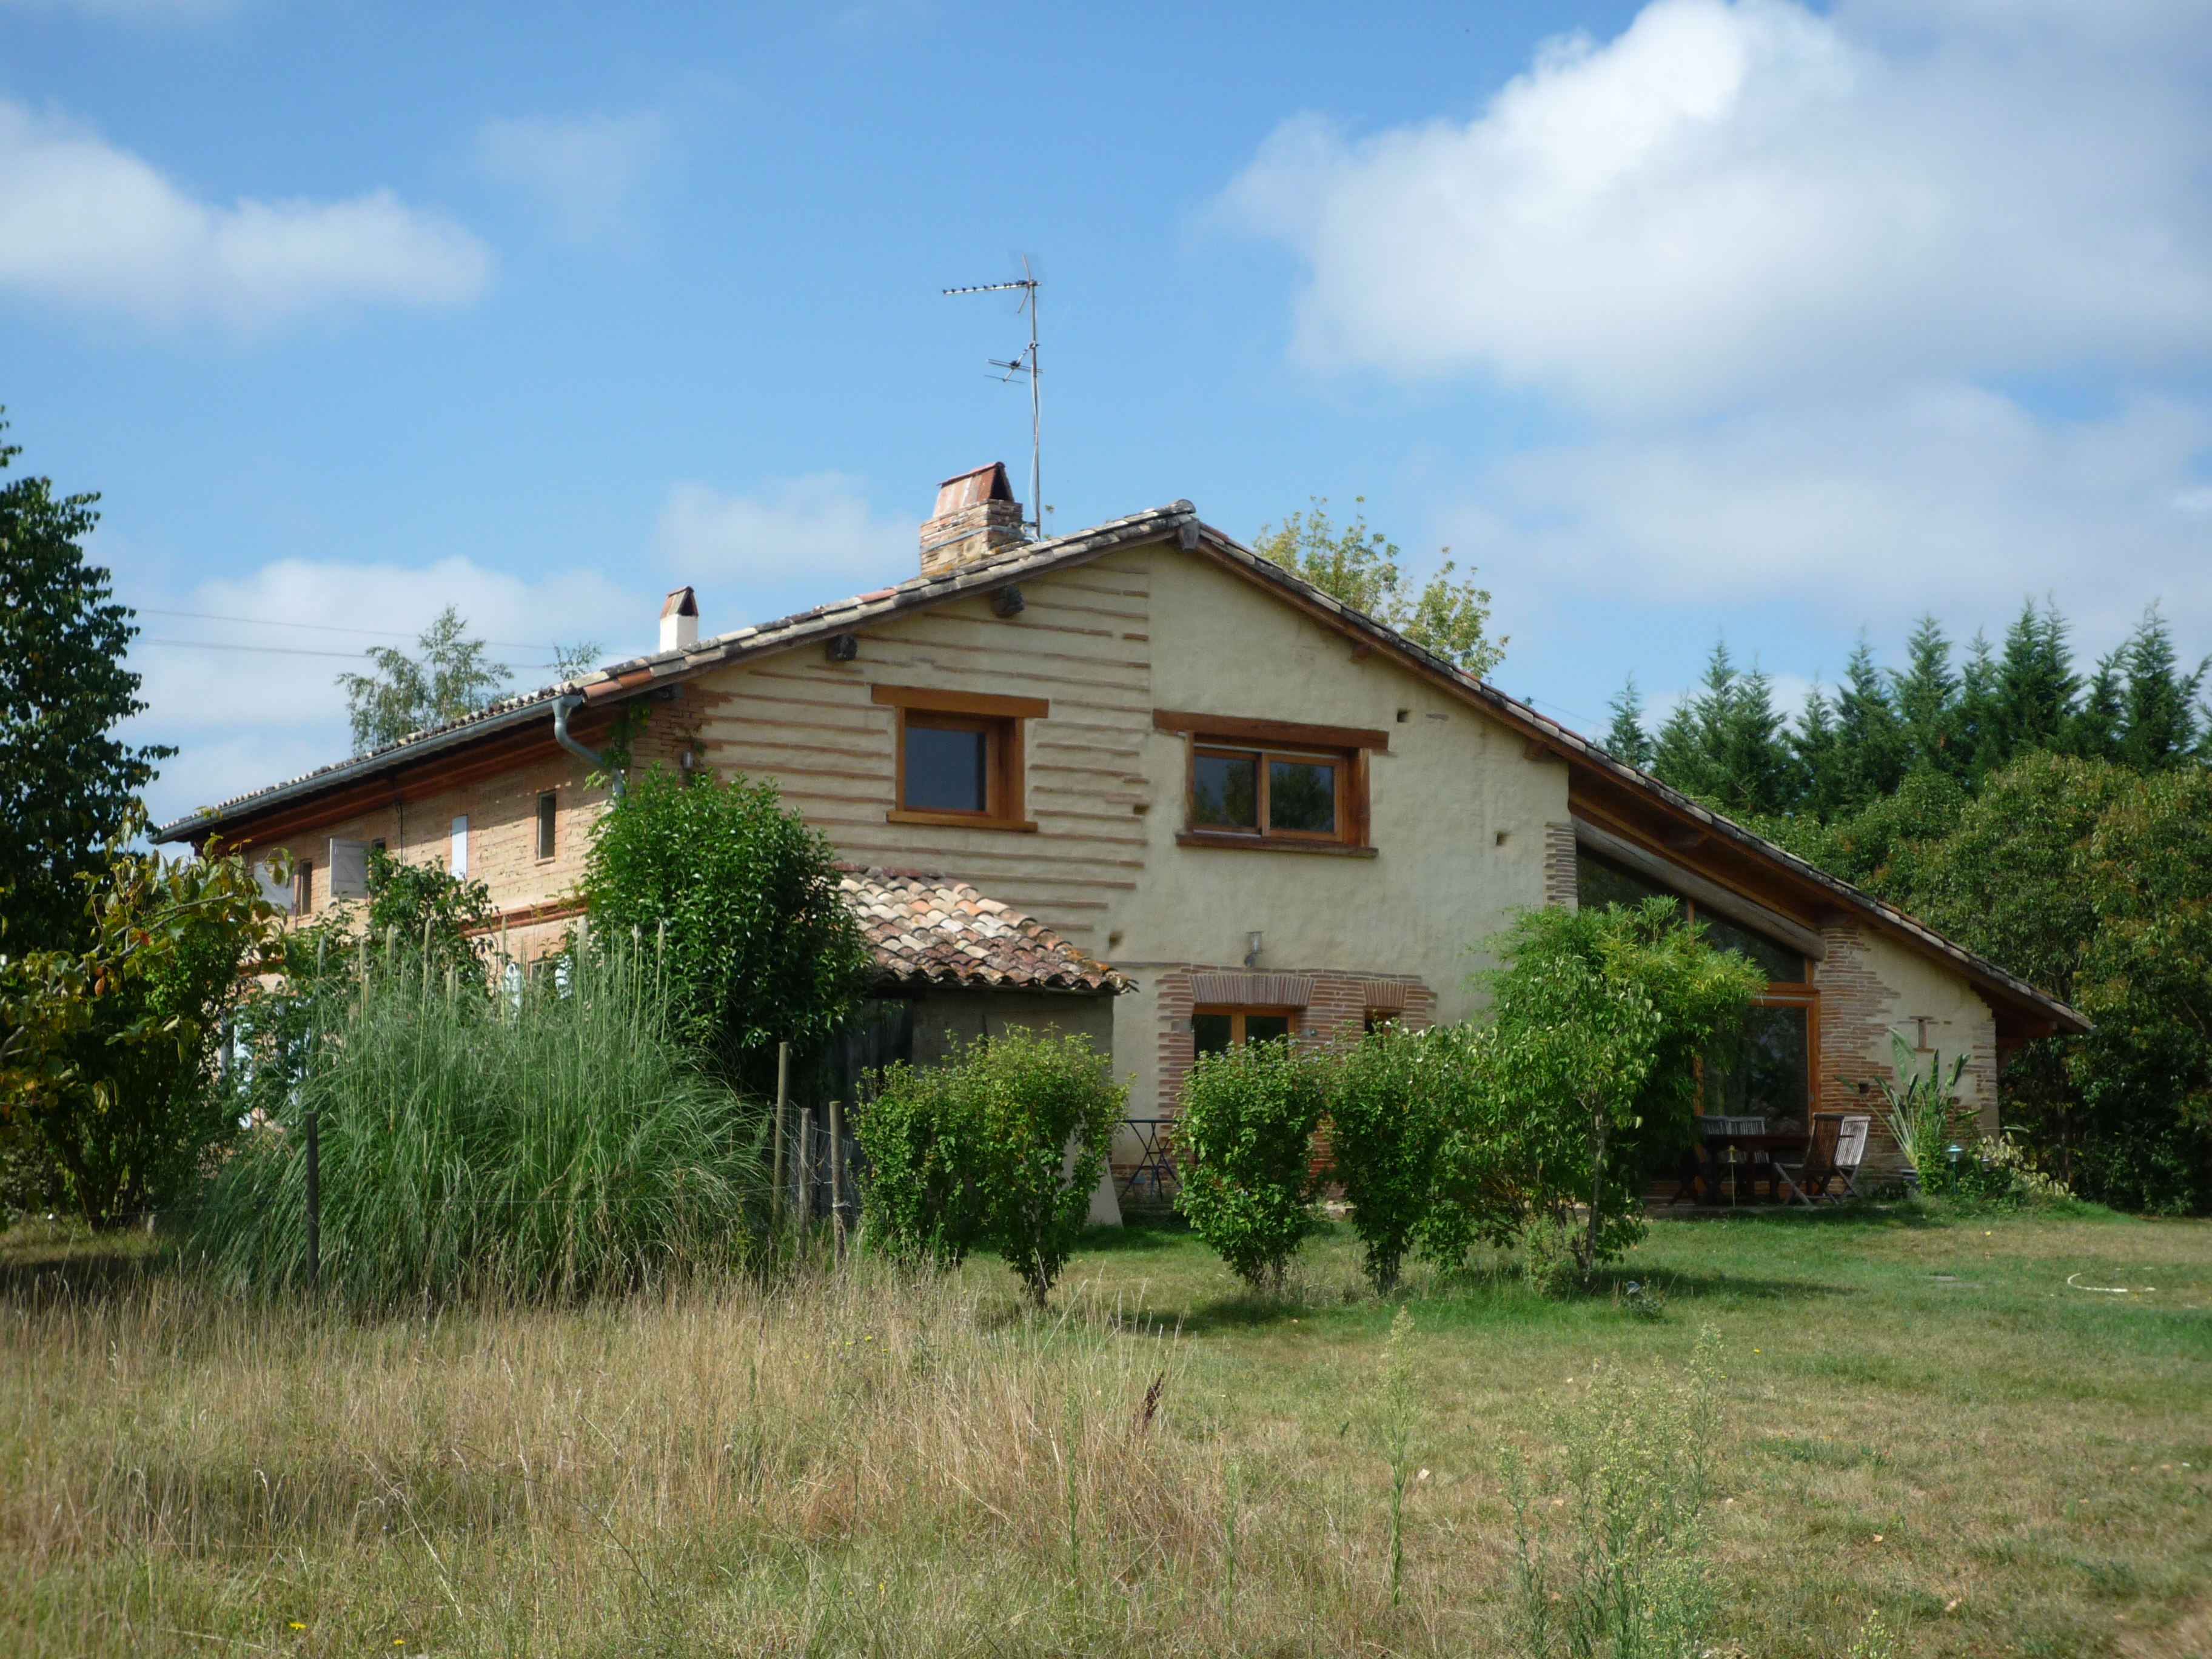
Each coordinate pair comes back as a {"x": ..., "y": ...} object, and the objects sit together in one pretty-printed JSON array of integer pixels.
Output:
[
  {"x": 837, "y": 1176},
  {"x": 805, "y": 1161},
  {"x": 782, "y": 1087},
  {"x": 314, "y": 1203}
]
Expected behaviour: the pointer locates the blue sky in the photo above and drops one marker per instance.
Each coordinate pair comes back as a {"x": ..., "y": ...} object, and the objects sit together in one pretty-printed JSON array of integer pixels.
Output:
[{"x": 1679, "y": 320}]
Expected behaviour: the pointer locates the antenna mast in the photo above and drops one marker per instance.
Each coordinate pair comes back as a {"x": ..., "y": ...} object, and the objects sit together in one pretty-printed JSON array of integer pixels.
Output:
[{"x": 1026, "y": 364}]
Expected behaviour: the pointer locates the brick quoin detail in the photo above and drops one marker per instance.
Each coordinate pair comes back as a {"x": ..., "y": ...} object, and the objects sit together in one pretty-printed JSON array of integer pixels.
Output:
[{"x": 1560, "y": 889}]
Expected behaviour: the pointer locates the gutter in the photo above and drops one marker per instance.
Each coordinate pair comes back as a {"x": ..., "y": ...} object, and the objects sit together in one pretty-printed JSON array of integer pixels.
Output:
[{"x": 564, "y": 706}]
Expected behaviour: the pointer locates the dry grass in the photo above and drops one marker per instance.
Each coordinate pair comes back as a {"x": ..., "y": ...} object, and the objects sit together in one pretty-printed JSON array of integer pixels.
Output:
[{"x": 865, "y": 1465}]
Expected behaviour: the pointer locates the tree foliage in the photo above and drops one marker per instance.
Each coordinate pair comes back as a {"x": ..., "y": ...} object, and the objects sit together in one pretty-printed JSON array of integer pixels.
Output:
[
  {"x": 1000, "y": 1147},
  {"x": 1391, "y": 1117},
  {"x": 740, "y": 900},
  {"x": 67, "y": 784},
  {"x": 111, "y": 1051},
  {"x": 1244, "y": 1154},
  {"x": 453, "y": 675},
  {"x": 1361, "y": 567}
]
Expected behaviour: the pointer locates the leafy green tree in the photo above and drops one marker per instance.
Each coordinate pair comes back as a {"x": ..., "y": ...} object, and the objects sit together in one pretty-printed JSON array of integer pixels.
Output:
[
  {"x": 67, "y": 785},
  {"x": 1600, "y": 1016},
  {"x": 451, "y": 677},
  {"x": 112, "y": 1052},
  {"x": 1388, "y": 1128},
  {"x": 1244, "y": 1155},
  {"x": 739, "y": 901},
  {"x": 1359, "y": 567},
  {"x": 926, "y": 1197}
]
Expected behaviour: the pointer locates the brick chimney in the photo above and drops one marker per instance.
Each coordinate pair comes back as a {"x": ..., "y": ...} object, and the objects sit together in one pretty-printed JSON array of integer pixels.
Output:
[
  {"x": 679, "y": 620},
  {"x": 977, "y": 516}
]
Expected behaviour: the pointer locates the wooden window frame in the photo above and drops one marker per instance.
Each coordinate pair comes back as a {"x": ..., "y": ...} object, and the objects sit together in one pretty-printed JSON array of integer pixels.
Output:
[
  {"x": 1238, "y": 1013},
  {"x": 303, "y": 887},
  {"x": 1345, "y": 747},
  {"x": 548, "y": 824},
  {"x": 1002, "y": 719}
]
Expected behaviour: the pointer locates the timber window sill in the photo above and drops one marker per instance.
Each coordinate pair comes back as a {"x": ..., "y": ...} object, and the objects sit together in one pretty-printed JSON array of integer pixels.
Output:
[
  {"x": 1273, "y": 844},
  {"x": 961, "y": 821}
]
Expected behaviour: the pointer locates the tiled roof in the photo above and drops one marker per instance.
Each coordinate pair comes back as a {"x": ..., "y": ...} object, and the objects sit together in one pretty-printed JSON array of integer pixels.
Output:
[{"x": 933, "y": 930}]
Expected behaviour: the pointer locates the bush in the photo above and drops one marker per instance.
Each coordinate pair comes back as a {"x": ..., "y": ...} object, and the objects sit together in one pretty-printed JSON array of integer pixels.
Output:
[
  {"x": 1921, "y": 1109},
  {"x": 1244, "y": 1155},
  {"x": 111, "y": 1055},
  {"x": 1002, "y": 1146},
  {"x": 1389, "y": 1125},
  {"x": 1635, "y": 1462},
  {"x": 741, "y": 900},
  {"x": 552, "y": 1143}
]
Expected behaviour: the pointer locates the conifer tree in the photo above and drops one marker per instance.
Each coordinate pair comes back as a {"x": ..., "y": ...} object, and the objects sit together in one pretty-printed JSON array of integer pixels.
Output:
[{"x": 1626, "y": 736}]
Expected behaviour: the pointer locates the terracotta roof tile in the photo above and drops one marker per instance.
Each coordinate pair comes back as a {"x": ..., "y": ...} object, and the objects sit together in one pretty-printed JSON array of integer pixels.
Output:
[{"x": 933, "y": 930}]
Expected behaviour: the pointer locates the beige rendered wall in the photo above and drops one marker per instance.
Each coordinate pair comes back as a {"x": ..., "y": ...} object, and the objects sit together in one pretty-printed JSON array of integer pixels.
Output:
[{"x": 1871, "y": 985}]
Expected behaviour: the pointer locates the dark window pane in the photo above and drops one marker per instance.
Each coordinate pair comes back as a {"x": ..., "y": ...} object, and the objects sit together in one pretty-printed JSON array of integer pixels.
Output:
[
  {"x": 1768, "y": 1076},
  {"x": 1302, "y": 797},
  {"x": 1598, "y": 883},
  {"x": 1265, "y": 1028},
  {"x": 945, "y": 770},
  {"x": 1210, "y": 1033},
  {"x": 1225, "y": 791},
  {"x": 1783, "y": 965}
]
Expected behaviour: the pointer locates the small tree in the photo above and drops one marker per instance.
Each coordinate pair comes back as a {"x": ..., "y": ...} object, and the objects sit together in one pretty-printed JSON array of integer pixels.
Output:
[
  {"x": 1244, "y": 1155},
  {"x": 925, "y": 1196},
  {"x": 1920, "y": 1108},
  {"x": 1361, "y": 567},
  {"x": 113, "y": 1052},
  {"x": 1001, "y": 1146},
  {"x": 760, "y": 948},
  {"x": 1600, "y": 1016},
  {"x": 1387, "y": 1126}
]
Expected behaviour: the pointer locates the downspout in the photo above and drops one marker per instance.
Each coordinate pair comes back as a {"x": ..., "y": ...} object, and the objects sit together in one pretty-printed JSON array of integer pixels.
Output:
[{"x": 565, "y": 706}]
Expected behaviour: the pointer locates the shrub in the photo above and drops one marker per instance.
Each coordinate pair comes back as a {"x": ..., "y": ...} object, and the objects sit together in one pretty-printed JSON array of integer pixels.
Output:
[
  {"x": 552, "y": 1144},
  {"x": 1244, "y": 1155},
  {"x": 1600, "y": 1016},
  {"x": 111, "y": 1053},
  {"x": 924, "y": 1143},
  {"x": 1635, "y": 1463},
  {"x": 1387, "y": 1130},
  {"x": 1921, "y": 1109},
  {"x": 741, "y": 899},
  {"x": 1001, "y": 1146}
]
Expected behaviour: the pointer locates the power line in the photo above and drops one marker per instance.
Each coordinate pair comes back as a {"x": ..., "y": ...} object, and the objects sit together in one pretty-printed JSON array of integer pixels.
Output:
[{"x": 319, "y": 628}]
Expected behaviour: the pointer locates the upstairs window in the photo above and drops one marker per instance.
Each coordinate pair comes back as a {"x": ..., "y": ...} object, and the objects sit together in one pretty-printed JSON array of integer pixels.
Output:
[
  {"x": 958, "y": 756},
  {"x": 1273, "y": 784},
  {"x": 548, "y": 816}
]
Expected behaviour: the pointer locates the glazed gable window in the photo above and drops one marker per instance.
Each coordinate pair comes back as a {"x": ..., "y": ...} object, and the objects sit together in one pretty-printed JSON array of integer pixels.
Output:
[
  {"x": 1273, "y": 784},
  {"x": 958, "y": 756}
]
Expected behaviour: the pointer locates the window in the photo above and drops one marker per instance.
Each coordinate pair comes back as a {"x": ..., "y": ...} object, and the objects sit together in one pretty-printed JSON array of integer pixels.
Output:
[
  {"x": 460, "y": 847},
  {"x": 958, "y": 756},
  {"x": 1598, "y": 882},
  {"x": 548, "y": 814},
  {"x": 1216, "y": 1030},
  {"x": 303, "y": 887},
  {"x": 1269, "y": 783}
]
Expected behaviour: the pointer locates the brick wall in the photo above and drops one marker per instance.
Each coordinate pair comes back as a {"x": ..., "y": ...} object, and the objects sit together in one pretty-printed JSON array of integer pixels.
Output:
[{"x": 1560, "y": 881}]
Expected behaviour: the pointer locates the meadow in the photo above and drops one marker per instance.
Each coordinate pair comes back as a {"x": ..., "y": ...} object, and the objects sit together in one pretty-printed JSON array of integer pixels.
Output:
[{"x": 1992, "y": 1429}]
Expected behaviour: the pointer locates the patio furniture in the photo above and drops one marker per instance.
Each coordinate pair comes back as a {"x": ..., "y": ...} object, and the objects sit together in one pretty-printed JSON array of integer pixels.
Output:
[
  {"x": 1832, "y": 1159},
  {"x": 1155, "y": 1165},
  {"x": 1723, "y": 1145}
]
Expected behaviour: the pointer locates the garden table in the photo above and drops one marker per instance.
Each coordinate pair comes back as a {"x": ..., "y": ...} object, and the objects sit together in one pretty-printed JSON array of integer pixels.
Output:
[
  {"x": 1155, "y": 1156},
  {"x": 1719, "y": 1146}
]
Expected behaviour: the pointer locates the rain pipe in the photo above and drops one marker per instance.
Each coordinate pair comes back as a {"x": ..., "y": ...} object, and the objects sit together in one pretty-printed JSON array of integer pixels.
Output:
[{"x": 565, "y": 706}]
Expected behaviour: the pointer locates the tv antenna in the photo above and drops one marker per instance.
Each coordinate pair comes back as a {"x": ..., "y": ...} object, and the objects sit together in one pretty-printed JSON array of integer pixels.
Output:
[{"x": 1025, "y": 364}]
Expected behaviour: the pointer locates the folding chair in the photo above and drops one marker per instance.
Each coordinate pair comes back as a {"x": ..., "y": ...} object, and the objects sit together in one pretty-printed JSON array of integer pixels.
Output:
[{"x": 1838, "y": 1148}]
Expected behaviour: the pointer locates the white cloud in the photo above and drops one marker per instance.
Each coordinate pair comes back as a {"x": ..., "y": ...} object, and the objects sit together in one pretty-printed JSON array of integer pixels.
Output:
[
  {"x": 582, "y": 174},
  {"x": 1946, "y": 498},
  {"x": 244, "y": 718},
  {"x": 90, "y": 227},
  {"x": 794, "y": 544},
  {"x": 1747, "y": 200}
]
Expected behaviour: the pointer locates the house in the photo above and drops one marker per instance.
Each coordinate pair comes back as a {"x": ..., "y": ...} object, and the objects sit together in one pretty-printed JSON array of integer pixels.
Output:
[{"x": 1153, "y": 749}]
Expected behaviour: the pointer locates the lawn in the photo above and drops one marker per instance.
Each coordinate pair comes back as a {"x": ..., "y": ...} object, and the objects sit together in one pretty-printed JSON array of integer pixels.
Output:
[{"x": 1993, "y": 1429}]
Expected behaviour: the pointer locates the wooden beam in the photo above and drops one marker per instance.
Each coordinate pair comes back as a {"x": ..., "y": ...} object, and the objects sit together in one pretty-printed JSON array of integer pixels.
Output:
[
  {"x": 1259, "y": 731},
  {"x": 938, "y": 701}
]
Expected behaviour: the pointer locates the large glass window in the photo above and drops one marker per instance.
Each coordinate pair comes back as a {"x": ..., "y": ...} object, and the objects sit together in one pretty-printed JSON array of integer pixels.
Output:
[
  {"x": 1598, "y": 882},
  {"x": 1768, "y": 1073}
]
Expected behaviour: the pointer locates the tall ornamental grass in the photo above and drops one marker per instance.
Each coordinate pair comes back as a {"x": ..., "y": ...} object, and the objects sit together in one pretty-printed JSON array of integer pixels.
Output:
[{"x": 547, "y": 1141}]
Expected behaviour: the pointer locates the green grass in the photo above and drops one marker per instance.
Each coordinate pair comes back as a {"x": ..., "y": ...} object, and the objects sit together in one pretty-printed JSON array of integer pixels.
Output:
[{"x": 1923, "y": 1418}]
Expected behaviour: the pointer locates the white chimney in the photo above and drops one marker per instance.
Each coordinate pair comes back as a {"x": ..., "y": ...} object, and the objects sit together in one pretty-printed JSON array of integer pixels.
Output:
[{"x": 679, "y": 620}]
